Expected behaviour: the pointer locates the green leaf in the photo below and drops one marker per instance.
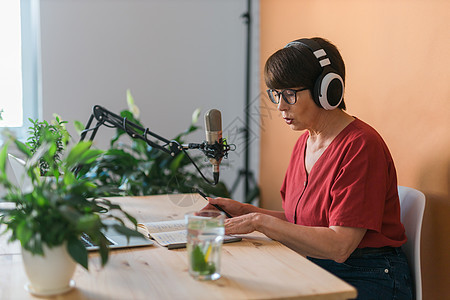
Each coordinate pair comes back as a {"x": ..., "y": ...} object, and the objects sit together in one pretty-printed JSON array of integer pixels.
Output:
[
  {"x": 127, "y": 231},
  {"x": 89, "y": 156},
  {"x": 3, "y": 158},
  {"x": 23, "y": 233},
  {"x": 131, "y": 218},
  {"x": 69, "y": 178},
  {"x": 104, "y": 251},
  {"x": 88, "y": 223},
  {"x": 79, "y": 127},
  {"x": 76, "y": 152},
  {"x": 51, "y": 152},
  {"x": 195, "y": 115},
  {"x": 78, "y": 252},
  {"x": 198, "y": 262},
  {"x": 131, "y": 106},
  {"x": 23, "y": 148}
]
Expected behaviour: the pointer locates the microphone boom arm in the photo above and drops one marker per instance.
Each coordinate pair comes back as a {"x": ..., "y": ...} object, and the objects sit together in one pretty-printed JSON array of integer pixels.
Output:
[{"x": 135, "y": 131}]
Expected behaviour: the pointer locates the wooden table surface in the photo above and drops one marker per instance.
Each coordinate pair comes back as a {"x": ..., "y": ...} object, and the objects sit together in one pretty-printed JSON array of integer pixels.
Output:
[{"x": 255, "y": 268}]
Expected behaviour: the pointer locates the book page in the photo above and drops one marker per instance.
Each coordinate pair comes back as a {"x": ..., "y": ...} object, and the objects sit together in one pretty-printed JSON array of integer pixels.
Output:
[
  {"x": 171, "y": 237},
  {"x": 172, "y": 232},
  {"x": 164, "y": 226}
]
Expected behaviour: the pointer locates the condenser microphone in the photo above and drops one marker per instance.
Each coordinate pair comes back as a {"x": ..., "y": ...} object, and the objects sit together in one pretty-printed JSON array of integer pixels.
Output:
[{"x": 213, "y": 127}]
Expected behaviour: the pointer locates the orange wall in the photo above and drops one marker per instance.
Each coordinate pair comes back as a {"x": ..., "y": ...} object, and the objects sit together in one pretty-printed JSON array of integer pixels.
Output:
[{"x": 397, "y": 55}]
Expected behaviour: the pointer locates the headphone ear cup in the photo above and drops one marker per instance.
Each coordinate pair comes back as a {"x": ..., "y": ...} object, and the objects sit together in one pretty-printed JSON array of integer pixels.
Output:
[{"x": 328, "y": 90}]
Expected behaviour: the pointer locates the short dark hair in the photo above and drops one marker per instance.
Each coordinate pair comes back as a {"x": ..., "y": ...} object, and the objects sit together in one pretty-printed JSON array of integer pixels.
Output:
[{"x": 296, "y": 66}]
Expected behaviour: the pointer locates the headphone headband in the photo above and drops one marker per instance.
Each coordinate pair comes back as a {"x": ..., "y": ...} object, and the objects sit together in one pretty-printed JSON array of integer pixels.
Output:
[{"x": 315, "y": 48}]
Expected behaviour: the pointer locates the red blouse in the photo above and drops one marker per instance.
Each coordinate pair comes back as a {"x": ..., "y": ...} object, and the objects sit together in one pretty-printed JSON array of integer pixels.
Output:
[{"x": 352, "y": 184}]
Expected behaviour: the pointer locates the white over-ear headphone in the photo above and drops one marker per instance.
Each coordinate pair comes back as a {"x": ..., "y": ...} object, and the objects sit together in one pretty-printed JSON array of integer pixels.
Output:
[{"x": 328, "y": 89}]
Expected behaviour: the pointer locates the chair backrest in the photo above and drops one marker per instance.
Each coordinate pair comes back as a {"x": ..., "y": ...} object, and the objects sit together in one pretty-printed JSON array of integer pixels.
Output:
[{"x": 412, "y": 207}]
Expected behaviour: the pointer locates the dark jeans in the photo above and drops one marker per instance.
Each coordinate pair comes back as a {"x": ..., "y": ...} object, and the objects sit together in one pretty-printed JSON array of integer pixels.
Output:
[{"x": 381, "y": 274}]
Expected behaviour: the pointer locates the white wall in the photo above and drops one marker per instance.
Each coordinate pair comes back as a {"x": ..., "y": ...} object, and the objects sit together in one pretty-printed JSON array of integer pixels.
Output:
[{"x": 174, "y": 55}]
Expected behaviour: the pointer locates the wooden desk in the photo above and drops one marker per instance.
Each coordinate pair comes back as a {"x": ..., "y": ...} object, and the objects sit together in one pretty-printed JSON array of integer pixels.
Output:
[{"x": 255, "y": 268}]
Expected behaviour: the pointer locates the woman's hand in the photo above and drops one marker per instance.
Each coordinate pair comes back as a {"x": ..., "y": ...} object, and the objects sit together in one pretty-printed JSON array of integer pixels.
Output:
[
  {"x": 233, "y": 207},
  {"x": 242, "y": 220},
  {"x": 242, "y": 224}
]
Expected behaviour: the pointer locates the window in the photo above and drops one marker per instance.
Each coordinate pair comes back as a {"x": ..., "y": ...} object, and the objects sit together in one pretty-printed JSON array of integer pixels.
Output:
[{"x": 19, "y": 64}]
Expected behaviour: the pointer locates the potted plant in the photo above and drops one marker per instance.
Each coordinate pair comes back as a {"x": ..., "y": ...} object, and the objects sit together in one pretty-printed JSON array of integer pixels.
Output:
[
  {"x": 61, "y": 136},
  {"x": 49, "y": 218}
]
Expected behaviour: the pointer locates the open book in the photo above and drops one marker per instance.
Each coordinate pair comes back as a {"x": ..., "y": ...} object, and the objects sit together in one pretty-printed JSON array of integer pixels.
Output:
[{"x": 172, "y": 234}]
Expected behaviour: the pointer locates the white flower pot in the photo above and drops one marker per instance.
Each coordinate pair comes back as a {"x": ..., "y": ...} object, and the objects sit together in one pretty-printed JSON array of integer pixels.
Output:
[{"x": 49, "y": 274}]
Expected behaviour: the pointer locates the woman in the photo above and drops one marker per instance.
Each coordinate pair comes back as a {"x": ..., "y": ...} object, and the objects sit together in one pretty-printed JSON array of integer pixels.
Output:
[{"x": 339, "y": 195}]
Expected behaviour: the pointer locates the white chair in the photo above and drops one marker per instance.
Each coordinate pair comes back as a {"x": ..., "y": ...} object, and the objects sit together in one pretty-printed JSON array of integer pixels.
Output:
[{"x": 412, "y": 206}]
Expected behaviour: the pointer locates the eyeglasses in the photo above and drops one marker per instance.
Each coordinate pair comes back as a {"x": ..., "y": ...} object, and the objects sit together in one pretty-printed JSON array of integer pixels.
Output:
[{"x": 289, "y": 95}]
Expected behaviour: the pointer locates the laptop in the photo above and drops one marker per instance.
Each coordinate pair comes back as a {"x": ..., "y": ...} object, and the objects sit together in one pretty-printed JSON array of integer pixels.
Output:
[
  {"x": 17, "y": 175},
  {"x": 116, "y": 240},
  {"x": 15, "y": 170}
]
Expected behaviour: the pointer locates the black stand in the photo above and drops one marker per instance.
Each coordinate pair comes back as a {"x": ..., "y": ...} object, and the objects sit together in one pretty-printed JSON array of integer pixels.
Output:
[{"x": 248, "y": 175}]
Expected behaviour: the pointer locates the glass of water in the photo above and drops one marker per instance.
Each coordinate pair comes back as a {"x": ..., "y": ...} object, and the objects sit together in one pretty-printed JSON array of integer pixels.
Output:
[{"x": 205, "y": 231}]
